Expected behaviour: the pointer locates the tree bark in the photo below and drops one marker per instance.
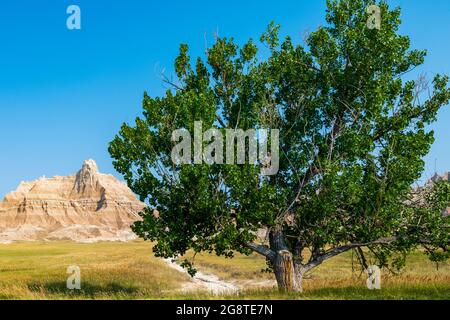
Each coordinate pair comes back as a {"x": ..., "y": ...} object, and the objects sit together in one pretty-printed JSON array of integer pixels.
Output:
[
  {"x": 288, "y": 278},
  {"x": 288, "y": 273},
  {"x": 299, "y": 273}
]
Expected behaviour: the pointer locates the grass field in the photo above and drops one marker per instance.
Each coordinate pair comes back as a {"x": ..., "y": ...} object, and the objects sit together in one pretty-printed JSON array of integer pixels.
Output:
[{"x": 129, "y": 271}]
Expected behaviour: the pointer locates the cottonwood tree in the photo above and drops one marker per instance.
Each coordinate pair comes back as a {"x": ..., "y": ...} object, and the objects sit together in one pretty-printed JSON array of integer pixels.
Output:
[{"x": 353, "y": 133}]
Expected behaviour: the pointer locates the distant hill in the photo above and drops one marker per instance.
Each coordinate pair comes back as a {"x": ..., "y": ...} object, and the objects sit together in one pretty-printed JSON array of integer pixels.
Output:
[
  {"x": 438, "y": 178},
  {"x": 88, "y": 206}
]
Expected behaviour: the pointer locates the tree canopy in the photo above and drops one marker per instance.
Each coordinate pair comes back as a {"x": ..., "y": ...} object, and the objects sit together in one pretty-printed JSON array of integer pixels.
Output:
[{"x": 353, "y": 134}]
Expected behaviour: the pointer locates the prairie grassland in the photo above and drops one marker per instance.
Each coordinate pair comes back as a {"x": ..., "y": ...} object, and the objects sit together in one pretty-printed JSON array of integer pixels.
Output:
[
  {"x": 335, "y": 279},
  {"x": 37, "y": 270},
  {"x": 108, "y": 271}
]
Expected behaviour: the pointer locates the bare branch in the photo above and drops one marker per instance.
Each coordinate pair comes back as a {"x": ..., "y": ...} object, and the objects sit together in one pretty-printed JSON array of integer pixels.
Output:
[
  {"x": 338, "y": 250},
  {"x": 262, "y": 250},
  {"x": 221, "y": 121}
]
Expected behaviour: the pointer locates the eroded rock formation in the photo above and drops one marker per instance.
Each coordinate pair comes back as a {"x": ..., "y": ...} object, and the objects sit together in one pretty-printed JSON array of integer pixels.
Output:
[{"x": 88, "y": 206}]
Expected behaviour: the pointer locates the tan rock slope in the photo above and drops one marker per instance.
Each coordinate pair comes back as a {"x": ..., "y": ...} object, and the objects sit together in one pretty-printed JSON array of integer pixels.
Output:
[
  {"x": 89, "y": 206},
  {"x": 438, "y": 178},
  {"x": 419, "y": 193}
]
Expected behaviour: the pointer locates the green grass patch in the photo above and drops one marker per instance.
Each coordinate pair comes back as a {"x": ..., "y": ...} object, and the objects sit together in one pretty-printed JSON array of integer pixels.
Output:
[{"x": 37, "y": 270}]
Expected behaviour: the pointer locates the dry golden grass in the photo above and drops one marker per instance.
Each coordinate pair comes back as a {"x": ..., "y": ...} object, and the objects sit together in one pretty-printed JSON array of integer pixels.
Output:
[
  {"x": 108, "y": 270},
  {"x": 130, "y": 271},
  {"x": 334, "y": 279}
]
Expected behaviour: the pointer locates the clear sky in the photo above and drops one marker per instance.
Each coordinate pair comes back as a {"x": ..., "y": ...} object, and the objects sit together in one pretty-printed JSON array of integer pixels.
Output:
[{"x": 64, "y": 94}]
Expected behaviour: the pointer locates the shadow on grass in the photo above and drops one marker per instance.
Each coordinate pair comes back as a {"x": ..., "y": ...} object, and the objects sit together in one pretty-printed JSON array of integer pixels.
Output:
[
  {"x": 400, "y": 292},
  {"x": 388, "y": 293},
  {"x": 87, "y": 289}
]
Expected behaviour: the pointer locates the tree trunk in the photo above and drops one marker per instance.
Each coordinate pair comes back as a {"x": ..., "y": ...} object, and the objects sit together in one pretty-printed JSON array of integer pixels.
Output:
[
  {"x": 299, "y": 278},
  {"x": 289, "y": 275},
  {"x": 288, "y": 278}
]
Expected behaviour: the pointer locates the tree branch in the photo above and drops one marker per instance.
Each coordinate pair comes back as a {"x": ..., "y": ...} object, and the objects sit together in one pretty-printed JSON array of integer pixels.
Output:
[
  {"x": 336, "y": 251},
  {"x": 262, "y": 250},
  {"x": 307, "y": 177},
  {"x": 221, "y": 121}
]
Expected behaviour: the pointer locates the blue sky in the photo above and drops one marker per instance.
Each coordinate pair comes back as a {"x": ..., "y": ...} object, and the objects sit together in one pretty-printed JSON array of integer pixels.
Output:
[{"x": 64, "y": 94}]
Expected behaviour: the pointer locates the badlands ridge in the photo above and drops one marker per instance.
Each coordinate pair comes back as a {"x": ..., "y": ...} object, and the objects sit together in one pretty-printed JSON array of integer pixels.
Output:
[{"x": 88, "y": 206}]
